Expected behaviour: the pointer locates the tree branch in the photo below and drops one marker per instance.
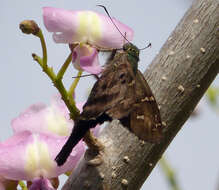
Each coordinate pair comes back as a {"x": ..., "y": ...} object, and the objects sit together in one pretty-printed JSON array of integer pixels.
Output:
[{"x": 179, "y": 77}]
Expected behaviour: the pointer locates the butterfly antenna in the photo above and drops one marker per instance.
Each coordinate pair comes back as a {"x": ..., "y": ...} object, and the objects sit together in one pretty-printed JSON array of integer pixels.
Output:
[
  {"x": 148, "y": 46},
  {"x": 113, "y": 22},
  {"x": 124, "y": 36},
  {"x": 83, "y": 76}
]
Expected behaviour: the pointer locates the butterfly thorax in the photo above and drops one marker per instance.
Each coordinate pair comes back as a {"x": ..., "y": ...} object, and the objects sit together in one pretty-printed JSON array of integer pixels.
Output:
[{"x": 132, "y": 54}]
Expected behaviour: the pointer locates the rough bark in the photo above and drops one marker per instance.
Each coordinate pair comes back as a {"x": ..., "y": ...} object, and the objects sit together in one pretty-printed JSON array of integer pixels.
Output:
[{"x": 179, "y": 76}]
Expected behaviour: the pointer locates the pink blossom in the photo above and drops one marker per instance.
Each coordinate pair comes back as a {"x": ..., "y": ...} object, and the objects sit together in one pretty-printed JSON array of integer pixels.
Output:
[
  {"x": 89, "y": 30},
  {"x": 41, "y": 183},
  {"x": 86, "y": 58},
  {"x": 27, "y": 156},
  {"x": 53, "y": 119},
  {"x": 85, "y": 27}
]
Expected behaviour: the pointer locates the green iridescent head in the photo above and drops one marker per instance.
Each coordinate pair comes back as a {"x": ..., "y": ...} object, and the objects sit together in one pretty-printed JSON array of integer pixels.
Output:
[
  {"x": 132, "y": 50},
  {"x": 133, "y": 54}
]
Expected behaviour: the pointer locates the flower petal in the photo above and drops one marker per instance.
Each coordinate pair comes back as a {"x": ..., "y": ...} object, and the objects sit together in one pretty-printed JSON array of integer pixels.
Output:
[
  {"x": 53, "y": 119},
  {"x": 34, "y": 156},
  {"x": 85, "y": 26},
  {"x": 41, "y": 183},
  {"x": 86, "y": 58},
  {"x": 39, "y": 118}
]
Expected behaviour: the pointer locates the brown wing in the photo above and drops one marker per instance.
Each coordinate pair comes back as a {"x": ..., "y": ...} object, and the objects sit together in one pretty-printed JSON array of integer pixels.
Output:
[
  {"x": 145, "y": 120},
  {"x": 112, "y": 93}
]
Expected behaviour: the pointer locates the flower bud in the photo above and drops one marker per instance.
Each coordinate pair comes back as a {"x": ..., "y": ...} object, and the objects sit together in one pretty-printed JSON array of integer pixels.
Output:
[{"x": 29, "y": 27}]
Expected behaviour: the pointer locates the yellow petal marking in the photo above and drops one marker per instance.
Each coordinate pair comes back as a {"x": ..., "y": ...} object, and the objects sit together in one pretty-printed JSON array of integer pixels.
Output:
[
  {"x": 38, "y": 160},
  {"x": 89, "y": 26},
  {"x": 56, "y": 122}
]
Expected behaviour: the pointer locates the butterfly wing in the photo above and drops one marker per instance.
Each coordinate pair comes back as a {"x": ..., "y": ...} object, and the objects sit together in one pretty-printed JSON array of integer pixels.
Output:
[
  {"x": 112, "y": 94},
  {"x": 120, "y": 94},
  {"x": 145, "y": 120}
]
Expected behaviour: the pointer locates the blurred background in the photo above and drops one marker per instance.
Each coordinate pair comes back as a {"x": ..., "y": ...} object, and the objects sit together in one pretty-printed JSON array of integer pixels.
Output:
[{"x": 193, "y": 155}]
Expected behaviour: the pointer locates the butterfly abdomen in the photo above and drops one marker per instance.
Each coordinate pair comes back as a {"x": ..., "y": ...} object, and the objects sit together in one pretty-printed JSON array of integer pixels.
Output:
[{"x": 80, "y": 129}]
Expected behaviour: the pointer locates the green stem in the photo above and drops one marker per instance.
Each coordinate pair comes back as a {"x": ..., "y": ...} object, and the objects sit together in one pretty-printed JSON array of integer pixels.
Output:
[
  {"x": 48, "y": 70},
  {"x": 38, "y": 59},
  {"x": 73, "y": 86},
  {"x": 169, "y": 173},
  {"x": 74, "y": 112},
  {"x": 44, "y": 49},
  {"x": 22, "y": 185},
  {"x": 57, "y": 79},
  {"x": 64, "y": 67},
  {"x": 75, "y": 83}
]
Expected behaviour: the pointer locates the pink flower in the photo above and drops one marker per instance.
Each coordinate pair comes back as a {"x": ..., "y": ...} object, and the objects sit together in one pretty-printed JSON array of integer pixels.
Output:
[
  {"x": 53, "y": 119},
  {"x": 41, "y": 183},
  {"x": 28, "y": 156},
  {"x": 39, "y": 134},
  {"x": 86, "y": 58},
  {"x": 85, "y": 27}
]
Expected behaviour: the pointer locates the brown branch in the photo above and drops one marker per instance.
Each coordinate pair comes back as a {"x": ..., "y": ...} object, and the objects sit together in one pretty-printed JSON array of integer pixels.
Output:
[{"x": 178, "y": 76}]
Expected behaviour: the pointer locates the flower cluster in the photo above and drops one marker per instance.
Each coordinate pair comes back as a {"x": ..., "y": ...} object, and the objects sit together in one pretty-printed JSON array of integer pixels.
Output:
[
  {"x": 40, "y": 131},
  {"x": 39, "y": 134}
]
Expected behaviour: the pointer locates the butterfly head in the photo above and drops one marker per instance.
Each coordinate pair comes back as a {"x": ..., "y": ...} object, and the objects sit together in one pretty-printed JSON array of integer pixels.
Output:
[
  {"x": 132, "y": 50},
  {"x": 133, "y": 54}
]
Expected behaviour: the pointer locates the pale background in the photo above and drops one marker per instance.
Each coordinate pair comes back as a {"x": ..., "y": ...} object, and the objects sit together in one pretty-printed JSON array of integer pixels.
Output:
[{"x": 193, "y": 153}]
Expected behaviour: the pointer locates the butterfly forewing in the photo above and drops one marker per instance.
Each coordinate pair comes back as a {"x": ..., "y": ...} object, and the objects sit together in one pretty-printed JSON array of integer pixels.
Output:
[{"x": 112, "y": 93}]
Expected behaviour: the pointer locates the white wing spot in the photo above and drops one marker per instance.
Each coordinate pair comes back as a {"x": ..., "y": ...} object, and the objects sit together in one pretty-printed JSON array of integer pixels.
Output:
[
  {"x": 158, "y": 125},
  {"x": 125, "y": 182},
  {"x": 164, "y": 123},
  {"x": 140, "y": 117},
  {"x": 146, "y": 99}
]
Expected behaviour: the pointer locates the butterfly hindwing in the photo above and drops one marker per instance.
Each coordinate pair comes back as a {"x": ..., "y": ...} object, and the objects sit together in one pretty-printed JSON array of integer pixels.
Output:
[{"x": 145, "y": 120}]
